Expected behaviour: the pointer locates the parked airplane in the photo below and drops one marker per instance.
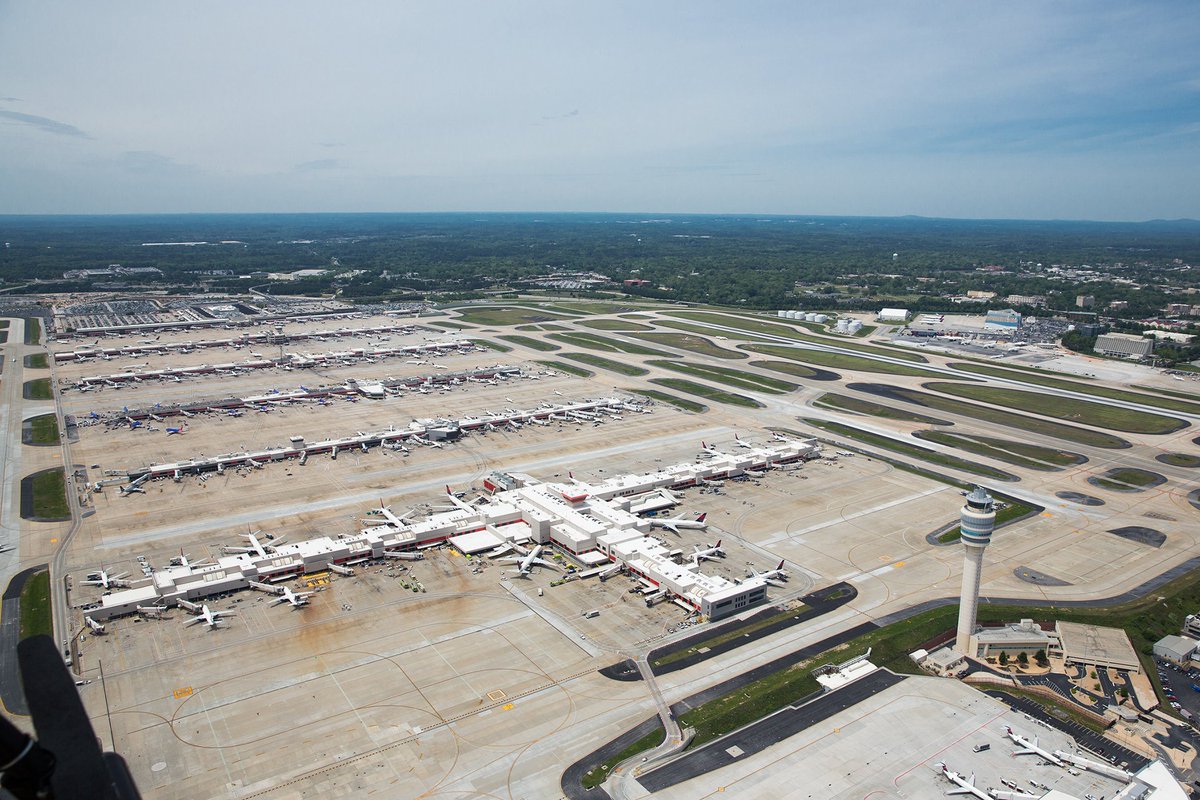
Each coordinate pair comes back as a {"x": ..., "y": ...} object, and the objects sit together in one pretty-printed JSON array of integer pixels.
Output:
[
  {"x": 96, "y": 627},
  {"x": 738, "y": 440},
  {"x": 965, "y": 785},
  {"x": 1031, "y": 748},
  {"x": 106, "y": 581},
  {"x": 297, "y": 599},
  {"x": 526, "y": 563},
  {"x": 674, "y": 524},
  {"x": 426, "y": 442},
  {"x": 173, "y": 431},
  {"x": 707, "y": 553},
  {"x": 204, "y": 614},
  {"x": 4, "y": 548},
  {"x": 772, "y": 577},
  {"x": 779, "y": 437}
]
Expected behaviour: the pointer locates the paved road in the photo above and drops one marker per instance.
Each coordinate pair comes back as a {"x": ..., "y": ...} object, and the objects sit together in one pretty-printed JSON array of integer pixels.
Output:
[{"x": 11, "y": 408}]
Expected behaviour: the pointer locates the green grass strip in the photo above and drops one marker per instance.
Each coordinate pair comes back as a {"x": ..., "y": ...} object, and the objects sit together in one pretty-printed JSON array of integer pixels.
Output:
[
  {"x": 50, "y": 495},
  {"x": 44, "y": 429},
  {"x": 1179, "y": 459},
  {"x": 855, "y": 405},
  {"x": 593, "y": 341},
  {"x": 1168, "y": 403},
  {"x": 795, "y": 369},
  {"x": 678, "y": 402},
  {"x": 789, "y": 332},
  {"x": 507, "y": 315},
  {"x": 1034, "y": 425},
  {"x": 912, "y": 450},
  {"x": 605, "y": 363},
  {"x": 488, "y": 343},
  {"x": 33, "y": 330},
  {"x": 1020, "y": 454},
  {"x": 562, "y": 366},
  {"x": 695, "y": 344},
  {"x": 731, "y": 377},
  {"x": 614, "y": 325},
  {"x": 599, "y": 773},
  {"x": 1083, "y": 412},
  {"x": 38, "y": 389},
  {"x": 35, "y": 609},
  {"x": 530, "y": 342},
  {"x": 728, "y": 634},
  {"x": 825, "y": 358},
  {"x": 707, "y": 392},
  {"x": 452, "y": 325},
  {"x": 36, "y": 361}
]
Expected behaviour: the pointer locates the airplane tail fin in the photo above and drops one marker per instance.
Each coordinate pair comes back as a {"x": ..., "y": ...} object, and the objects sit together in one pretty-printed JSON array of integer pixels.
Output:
[
  {"x": 780, "y": 564},
  {"x": 717, "y": 546},
  {"x": 702, "y": 517}
]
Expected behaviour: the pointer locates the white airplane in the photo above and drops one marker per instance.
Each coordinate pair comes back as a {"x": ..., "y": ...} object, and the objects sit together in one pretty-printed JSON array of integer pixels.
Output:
[
  {"x": 426, "y": 442},
  {"x": 4, "y": 548},
  {"x": 674, "y": 524},
  {"x": 965, "y": 785},
  {"x": 845, "y": 453},
  {"x": 525, "y": 564},
  {"x": 106, "y": 581},
  {"x": 136, "y": 486},
  {"x": 779, "y": 437},
  {"x": 96, "y": 627},
  {"x": 1029, "y": 748},
  {"x": 707, "y": 553},
  {"x": 773, "y": 577},
  {"x": 297, "y": 599},
  {"x": 738, "y": 441},
  {"x": 209, "y": 617}
]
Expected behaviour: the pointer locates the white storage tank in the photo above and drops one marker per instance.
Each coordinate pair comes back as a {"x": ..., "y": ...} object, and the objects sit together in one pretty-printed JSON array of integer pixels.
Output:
[
  {"x": 810, "y": 317},
  {"x": 781, "y": 313},
  {"x": 820, "y": 318},
  {"x": 795, "y": 314},
  {"x": 843, "y": 326},
  {"x": 854, "y": 326}
]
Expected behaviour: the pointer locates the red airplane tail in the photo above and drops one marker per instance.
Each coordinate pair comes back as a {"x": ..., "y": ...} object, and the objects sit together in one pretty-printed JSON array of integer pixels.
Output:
[{"x": 701, "y": 517}]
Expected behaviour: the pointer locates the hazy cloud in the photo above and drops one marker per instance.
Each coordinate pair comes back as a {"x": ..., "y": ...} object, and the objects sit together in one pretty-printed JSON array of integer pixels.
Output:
[
  {"x": 42, "y": 123},
  {"x": 318, "y": 165}
]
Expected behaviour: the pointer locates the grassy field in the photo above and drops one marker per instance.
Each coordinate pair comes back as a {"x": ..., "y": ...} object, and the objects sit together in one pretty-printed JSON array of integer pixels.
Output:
[
  {"x": 568, "y": 368},
  {"x": 488, "y": 343},
  {"x": 38, "y": 389},
  {"x": 823, "y": 358},
  {"x": 730, "y": 377},
  {"x": 855, "y": 405},
  {"x": 797, "y": 370},
  {"x": 50, "y": 495},
  {"x": 707, "y": 392},
  {"x": 33, "y": 330},
  {"x": 789, "y": 332},
  {"x": 865, "y": 330},
  {"x": 704, "y": 330},
  {"x": 678, "y": 402},
  {"x": 1179, "y": 459},
  {"x": 695, "y": 344},
  {"x": 447, "y": 324},
  {"x": 1020, "y": 454},
  {"x": 594, "y": 341},
  {"x": 605, "y": 363},
  {"x": 728, "y": 634},
  {"x": 36, "y": 361},
  {"x": 1167, "y": 403},
  {"x": 35, "y": 608},
  {"x": 599, "y": 773},
  {"x": 549, "y": 326},
  {"x": 530, "y": 342},
  {"x": 45, "y": 429},
  {"x": 1083, "y": 412},
  {"x": 1134, "y": 477},
  {"x": 507, "y": 315},
  {"x": 912, "y": 450},
  {"x": 615, "y": 325},
  {"x": 1033, "y": 425},
  {"x": 591, "y": 307}
]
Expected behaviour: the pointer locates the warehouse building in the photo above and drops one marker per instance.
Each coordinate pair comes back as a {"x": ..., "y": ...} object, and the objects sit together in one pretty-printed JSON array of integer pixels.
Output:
[{"x": 1125, "y": 345}]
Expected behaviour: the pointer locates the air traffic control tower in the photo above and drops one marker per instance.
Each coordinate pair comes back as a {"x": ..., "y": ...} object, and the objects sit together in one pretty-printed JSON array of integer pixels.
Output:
[{"x": 977, "y": 519}]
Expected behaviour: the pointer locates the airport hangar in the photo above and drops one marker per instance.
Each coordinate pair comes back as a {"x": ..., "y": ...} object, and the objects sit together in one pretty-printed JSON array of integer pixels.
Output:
[{"x": 597, "y": 524}]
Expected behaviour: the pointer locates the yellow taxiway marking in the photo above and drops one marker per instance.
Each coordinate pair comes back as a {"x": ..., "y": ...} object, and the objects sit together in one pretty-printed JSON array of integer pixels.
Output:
[
  {"x": 1047, "y": 514},
  {"x": 184, "y": 691},
  {"x": 898, "y": 564},
  {"x": 507, "y": 707},
  {"x": 54, "y": 540}
]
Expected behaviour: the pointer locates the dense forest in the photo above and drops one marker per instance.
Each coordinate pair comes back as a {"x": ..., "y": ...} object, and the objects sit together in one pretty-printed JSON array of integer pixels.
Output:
[{"x": 760, "y": 262}]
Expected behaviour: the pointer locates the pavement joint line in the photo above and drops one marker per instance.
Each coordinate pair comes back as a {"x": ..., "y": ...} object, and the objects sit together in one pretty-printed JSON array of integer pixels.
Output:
[{"x": 399, "y": 742}]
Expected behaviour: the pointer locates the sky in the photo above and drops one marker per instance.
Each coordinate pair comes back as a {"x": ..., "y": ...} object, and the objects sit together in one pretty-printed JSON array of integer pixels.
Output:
[{"x": 1025, "y": 110}]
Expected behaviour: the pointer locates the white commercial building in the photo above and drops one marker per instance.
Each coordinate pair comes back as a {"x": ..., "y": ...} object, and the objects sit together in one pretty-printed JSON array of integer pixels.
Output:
[
  {"x": 899, "y": 315},
  {"x": 593, "y": 523},
  {"x": 1124, "y": 344}
]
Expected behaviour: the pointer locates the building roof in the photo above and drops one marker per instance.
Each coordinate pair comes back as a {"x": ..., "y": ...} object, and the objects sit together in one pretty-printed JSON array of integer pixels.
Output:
[
  {"x": 1179, "y": 646},
  {"x": 1096, "y": 644}
]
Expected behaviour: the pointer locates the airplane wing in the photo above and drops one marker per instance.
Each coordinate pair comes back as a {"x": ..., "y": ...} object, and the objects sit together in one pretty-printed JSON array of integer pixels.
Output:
[
  {"x": 672, "y": 525},
  {"x": 194, "y": 620},
  {"x": 543, "y": 562},
  {"x": 510, "y": 560}
]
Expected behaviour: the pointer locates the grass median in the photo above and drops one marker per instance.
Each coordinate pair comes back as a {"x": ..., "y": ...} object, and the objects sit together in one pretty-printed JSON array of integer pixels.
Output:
[
  {"x": 606, "y": 344},
  {"x": 38, "y": 389},
  {"x": 49, "y": 494},
  {"x": 44, "y": 429},
  {"x": 670, "y": 399},
  {"x": 35, "y": 609},
  {"x": 571, "y": 369},
  {"x": 912, "y": 450},
  {"x": 33, "y": 330},
  {"x": 614, "y": 325},
  {"x": 694, "y": 344},
  {"x": 36, "y": 361},
  {"x": 730, "y": 377},
  {"x": 855, "y": 405},
  {"x": 609, "y": 364},
  {"x": 1083, "y": 412},
  {"x": 824, "y": 358},
  {"x": 507, "y": 315},
  {"x": 530, "y": 342},
  {"x": 1157, "y": 401},
  {"x": 489, "y": 344},
  {"x": 1020, "y": 454},
  {"x": 707, "y": 392}
]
